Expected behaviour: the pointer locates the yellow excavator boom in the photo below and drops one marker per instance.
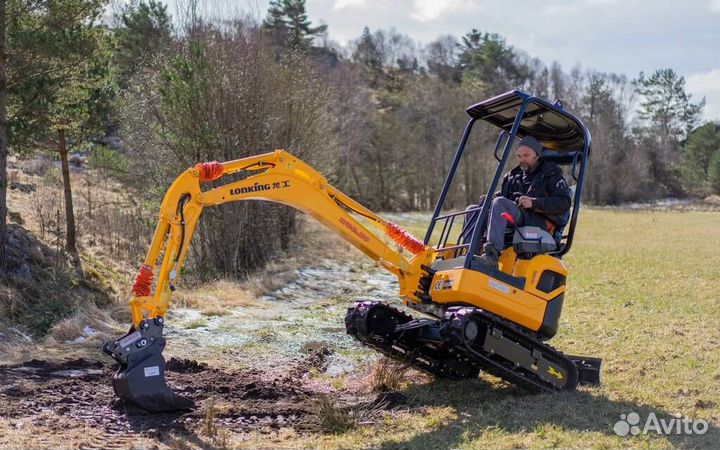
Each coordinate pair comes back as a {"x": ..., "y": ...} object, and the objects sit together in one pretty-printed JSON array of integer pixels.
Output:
[{"x": 276, "y": 177}]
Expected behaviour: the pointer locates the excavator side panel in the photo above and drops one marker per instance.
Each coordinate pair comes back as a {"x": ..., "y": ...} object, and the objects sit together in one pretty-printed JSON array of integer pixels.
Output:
[{"x": 522, "y": 298}]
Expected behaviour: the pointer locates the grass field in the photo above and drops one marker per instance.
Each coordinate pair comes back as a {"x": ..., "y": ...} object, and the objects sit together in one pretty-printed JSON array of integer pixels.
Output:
[{"x": 643, "y": 294}]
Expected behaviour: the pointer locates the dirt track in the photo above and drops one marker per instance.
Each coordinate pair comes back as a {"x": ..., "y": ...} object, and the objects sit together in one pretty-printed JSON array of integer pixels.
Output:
[{"x": 70, "y": 398}]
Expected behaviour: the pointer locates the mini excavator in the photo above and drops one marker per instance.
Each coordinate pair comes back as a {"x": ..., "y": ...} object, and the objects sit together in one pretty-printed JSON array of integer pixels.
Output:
[{"x": 474, "y": 319}]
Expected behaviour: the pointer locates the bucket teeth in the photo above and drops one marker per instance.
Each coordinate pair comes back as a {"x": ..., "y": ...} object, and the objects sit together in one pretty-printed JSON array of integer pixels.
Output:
[{"x": 140, "y": 380}]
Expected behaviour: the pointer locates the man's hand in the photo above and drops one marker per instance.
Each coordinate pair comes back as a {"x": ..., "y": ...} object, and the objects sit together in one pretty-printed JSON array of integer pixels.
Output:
[{"x": 525, "y": 202}]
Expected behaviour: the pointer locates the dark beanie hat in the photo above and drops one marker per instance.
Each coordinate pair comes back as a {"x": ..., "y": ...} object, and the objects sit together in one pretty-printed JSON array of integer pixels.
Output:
[{"x": 531, "y": 142}]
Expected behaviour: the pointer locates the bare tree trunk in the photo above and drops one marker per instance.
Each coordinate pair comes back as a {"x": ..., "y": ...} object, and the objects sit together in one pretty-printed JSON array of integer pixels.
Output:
[
  {"x": 3, "y": 140},
  {"x": 70, "y": 243}
]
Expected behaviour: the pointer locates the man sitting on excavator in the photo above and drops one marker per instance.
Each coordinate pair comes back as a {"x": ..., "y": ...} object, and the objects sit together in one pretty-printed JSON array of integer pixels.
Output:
[{"x": 533, "y": 193}]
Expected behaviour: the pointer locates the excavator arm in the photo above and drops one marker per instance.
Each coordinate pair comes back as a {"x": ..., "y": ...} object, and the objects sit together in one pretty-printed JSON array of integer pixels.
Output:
[{"x": 277, "y": 177}]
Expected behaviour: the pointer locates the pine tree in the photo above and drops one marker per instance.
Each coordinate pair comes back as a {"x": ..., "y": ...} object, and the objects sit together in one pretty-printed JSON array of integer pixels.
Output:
[
  {"x": 275, "y": 24},
  {"x": 145, "y": 30},
  {"x": 487, "y": 58},
  {"x": 46, "y": 45},
  {"x": 300, "y": 30},
  {"x": 367, "y": 54},
  {"x": 697, "y": 153},
  {"x": 669, "y": 116},
  {"x": 714, "y": 172},
  {"x": 288, "y": 24},
  {"x": 666, "y": 105}
]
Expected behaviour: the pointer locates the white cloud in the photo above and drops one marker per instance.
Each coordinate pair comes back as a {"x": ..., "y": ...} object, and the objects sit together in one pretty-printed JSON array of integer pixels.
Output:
[
  {"x": 706, "y": 84},
  {"x": 623, "y": 37},
  {"x": 342, "y": 4},
  {"x": 427, "y": 10},
  {"x": 714, "y": 6}
]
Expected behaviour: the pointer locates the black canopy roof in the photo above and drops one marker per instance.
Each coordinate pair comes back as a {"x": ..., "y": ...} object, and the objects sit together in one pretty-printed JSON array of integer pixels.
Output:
[{"x": 554, "y": 127}]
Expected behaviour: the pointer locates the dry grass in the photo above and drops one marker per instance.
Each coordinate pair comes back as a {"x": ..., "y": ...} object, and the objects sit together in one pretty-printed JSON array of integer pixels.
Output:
[
  {"x": 388, "y": 375},
  {"x": 216, "y": 296},
  {"x": 89, "y": 322},
  {"x": 210, "y": 429},
  {"x": 335, "y": 418},
  {"x": 14, "y": 340},
  {"x": 215, "y": 309}
]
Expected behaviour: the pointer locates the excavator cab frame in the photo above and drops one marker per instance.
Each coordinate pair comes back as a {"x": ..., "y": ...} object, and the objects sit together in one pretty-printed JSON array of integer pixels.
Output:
[{"x": 565, "y": 139}]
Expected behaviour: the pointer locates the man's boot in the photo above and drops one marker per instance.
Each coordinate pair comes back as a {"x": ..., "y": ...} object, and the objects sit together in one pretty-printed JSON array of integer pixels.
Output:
[{"x": 490, "y": 256}]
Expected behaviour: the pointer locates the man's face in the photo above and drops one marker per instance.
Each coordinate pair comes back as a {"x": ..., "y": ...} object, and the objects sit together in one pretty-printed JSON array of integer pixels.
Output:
[{"x": 527, "y": 158}]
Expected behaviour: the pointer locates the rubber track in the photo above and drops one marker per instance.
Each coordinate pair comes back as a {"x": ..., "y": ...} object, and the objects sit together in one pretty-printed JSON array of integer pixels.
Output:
[
  {"x": 505, "y": 369},
  {"x": 423, "y": 357}
]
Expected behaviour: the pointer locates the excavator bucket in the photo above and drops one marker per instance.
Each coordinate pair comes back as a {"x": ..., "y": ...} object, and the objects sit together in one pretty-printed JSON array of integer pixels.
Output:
[{"x": 140, "y": 380}]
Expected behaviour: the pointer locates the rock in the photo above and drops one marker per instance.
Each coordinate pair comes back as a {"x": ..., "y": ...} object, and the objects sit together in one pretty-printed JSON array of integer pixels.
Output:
[
  {"x": 22, "y": 187},
  {"x": 23, "y": 239},
  {"x": 12, "y": 241},
  {"x": 77, "y": 160},
  {"x": 13, "y": 254}
]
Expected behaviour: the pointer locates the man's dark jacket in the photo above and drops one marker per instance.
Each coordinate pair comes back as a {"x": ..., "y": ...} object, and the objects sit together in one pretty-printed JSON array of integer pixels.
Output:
[{"x": 548, "y": 188}]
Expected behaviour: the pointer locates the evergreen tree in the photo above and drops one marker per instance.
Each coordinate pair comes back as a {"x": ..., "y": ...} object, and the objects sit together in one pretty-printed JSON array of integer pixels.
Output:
[
  {"x": 666, "y": 105},
  {"x": 288, "y": 24},
  {"x": 486, "y": 57},
  {"x": 275, "y": 24},
  {"x": 43, "y": 46},
  {"x": 300, "y": 30},
  {"x": 698, "y": 151},
  {"x": 368, "y": 56},
  {"x": 145, "y": 30},
  {"x": 669, "y": 116},
  {"x": 714, "y": 172}
]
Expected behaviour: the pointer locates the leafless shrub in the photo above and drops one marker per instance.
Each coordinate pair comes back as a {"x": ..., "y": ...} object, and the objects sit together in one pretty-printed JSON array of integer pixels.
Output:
[
  {"x": 47, "y": 203},
  {"x": 243, "y": 99},
  {"x": 38, "y": 166},
  {"x": 113, "y": 221}
]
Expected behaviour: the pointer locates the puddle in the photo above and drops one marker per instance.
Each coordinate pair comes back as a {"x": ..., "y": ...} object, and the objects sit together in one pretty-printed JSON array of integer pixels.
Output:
[{"x": 76, "y": 373}]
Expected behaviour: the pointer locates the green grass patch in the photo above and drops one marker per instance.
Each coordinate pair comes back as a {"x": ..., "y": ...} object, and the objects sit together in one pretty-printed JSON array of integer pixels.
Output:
[{"x": 644, "y": 295}]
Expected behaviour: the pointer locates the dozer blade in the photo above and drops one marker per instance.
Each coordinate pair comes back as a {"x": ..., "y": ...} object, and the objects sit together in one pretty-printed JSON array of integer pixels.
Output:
[
  {"x": 140, "y": 380},
  {"x": 588, "y": 369}
]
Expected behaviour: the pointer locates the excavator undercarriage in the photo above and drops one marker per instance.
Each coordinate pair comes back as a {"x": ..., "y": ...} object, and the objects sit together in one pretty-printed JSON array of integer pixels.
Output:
[{"x": 465, "y": 342}]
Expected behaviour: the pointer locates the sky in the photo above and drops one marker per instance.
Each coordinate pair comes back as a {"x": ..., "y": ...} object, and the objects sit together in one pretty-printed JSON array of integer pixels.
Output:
[{"x": 621, "y": 36}]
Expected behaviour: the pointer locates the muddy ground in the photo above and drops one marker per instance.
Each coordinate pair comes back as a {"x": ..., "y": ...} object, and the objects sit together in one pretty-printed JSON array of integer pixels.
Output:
[
  {"x": 74, "y": 398},
  {"x": 262, "y": 367}
]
